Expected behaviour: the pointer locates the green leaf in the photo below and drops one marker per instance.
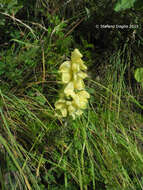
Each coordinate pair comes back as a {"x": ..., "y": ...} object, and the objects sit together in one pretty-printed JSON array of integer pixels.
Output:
[
  {"x": 123, "y": 4},
  {"x": 87, "y": 12},
  {"x": 11, "y": 4},
  {"x": 139, "y": 75}
]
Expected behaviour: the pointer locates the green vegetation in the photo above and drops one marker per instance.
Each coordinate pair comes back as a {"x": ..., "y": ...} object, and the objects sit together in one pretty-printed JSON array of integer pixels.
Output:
[{"x": 103, "y": 147}]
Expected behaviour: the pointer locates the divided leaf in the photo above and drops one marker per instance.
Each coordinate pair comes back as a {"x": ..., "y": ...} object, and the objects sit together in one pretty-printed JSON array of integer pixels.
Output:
[{"x": 123, "y": 4}]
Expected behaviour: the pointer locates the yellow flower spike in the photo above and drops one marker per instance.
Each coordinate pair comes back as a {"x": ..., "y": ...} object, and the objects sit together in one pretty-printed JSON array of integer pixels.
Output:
[{"x": 72, "y": 76}]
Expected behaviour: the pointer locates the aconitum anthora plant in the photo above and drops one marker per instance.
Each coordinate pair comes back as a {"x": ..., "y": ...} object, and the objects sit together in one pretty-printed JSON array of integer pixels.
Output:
[{"x": 74, "y": 98}]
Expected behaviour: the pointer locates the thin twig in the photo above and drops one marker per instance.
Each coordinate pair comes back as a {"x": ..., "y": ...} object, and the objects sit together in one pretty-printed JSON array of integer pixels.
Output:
[
  {"x": 17, "y": 20},
  {"x": 70, "y": 31},
  {"x": 40, "y": 26}
]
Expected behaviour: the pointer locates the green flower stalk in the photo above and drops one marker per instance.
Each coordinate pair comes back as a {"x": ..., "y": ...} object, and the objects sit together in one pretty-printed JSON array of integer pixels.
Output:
[{"x": 73, "y": 99}]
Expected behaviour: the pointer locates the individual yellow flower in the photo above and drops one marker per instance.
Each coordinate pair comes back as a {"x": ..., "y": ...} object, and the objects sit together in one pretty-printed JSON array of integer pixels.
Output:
[
  {"x": 74, "y": 110},
  {"x": 75, "y": 67},
  {"x": 78, "y": 65},
  {"x": 84, "y": 94},
  {"x": 81, "y": 99},
  {"x": 79, "y": 112},
  {"x": 66, "y": 66},
  {"x": 62, "y": 106},
  {"x": 82, "y": 66},
  {"x": 78, "y": 80},
  {"x": 81, "y": 75},
  {"x": 77, "y": 62},
  {"x": 76, "y": 55},
  {"x": 72, "y": 86},
  {"x": 79, "y": 84},
  {"x": 66, "y": 71},
  {"x": 69, "y": 89}
]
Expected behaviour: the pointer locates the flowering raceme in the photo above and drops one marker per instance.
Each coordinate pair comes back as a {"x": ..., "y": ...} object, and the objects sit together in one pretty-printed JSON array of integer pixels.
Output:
[{"x": 74, "y": 98}]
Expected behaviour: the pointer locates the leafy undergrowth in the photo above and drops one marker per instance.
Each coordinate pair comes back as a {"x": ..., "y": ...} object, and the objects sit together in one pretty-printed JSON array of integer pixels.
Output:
[{"x": 100, "y": 150}]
